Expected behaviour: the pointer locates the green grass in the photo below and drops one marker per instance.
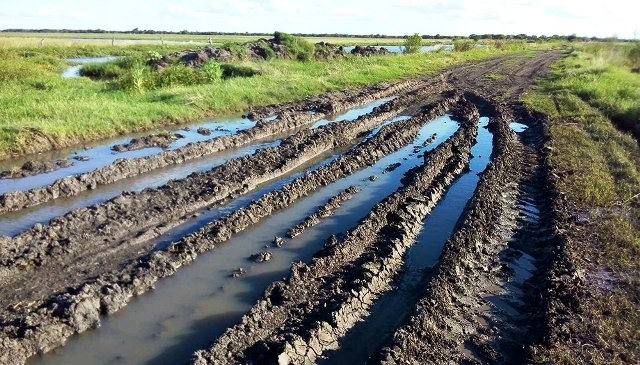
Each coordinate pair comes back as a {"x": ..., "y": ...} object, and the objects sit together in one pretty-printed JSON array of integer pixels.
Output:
[
  {"x": 9, "y": 39},
  {"x": 495, "y": 76},
  {"x": 35, "y": 102},
  {"x": 602, "y": 77},
  {"x": 592, "y": 98}
]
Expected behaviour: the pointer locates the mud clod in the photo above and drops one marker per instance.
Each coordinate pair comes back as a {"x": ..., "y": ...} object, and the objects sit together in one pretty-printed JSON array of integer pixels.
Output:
[
  {"x": 162, "y": 140},
  {"x": 204, "y": 131},
  {"x": 241, "y": 271},
  {"x": 278, "y": 242},
  {"x": 31, "y": 168},
  {"x": 369, "y": 51},
  {"x": 392, "y": 167},
  {"x": 262, "y": 257}
]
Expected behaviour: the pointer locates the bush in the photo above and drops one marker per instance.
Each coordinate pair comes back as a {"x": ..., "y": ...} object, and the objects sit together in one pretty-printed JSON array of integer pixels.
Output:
[
  {"x": 177, "y": 74},
  {"x": 462, "y": 45},
  {"x": 500, "y": 44},
  {"x": 210, "y": 71},
  {"x": 412, "y": 44},
  {"x": 138, "y": 78},
  {"x": 295, "y": 47}
]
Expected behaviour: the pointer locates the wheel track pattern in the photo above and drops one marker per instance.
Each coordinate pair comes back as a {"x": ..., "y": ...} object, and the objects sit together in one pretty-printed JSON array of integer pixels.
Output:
[
  {"x": 268, "y": 333},
  {"x": 288, "y": 119},
  {"x": 49, "y": 324},
  {"x": 436, "y": 332},
  {"x": 368, "y": 252},
  {"x": 140, "y": 217}
]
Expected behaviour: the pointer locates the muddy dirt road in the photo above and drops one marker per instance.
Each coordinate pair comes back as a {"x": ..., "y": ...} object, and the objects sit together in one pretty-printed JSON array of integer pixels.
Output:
[{"x": 421, "y": 195}]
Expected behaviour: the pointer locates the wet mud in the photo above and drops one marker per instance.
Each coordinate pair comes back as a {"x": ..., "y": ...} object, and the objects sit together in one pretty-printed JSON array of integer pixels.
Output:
[{"x": 95, "y": 260}]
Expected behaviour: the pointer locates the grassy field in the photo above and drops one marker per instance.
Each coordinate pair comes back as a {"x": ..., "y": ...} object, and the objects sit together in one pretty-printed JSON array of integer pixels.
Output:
[
  {"x": 593, "y": 97},
  {"x": 9, "y": 39},
  {"x": 37, "y": 106}
]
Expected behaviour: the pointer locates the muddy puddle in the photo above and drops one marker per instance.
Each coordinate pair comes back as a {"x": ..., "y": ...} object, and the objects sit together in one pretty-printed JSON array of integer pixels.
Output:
[
  {"x": 191, "y": 309},
  {"x": 13, "y": 223},
  {"x": 351, "y": 114},
  {"x": 100, "y": 154},
  {"x": 518, "y": 127},
  {"x": 389, "y": 312}
]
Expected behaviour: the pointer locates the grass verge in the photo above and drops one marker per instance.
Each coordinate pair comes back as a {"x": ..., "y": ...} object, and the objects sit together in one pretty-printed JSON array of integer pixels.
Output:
[{"x": 591, "y": 98}]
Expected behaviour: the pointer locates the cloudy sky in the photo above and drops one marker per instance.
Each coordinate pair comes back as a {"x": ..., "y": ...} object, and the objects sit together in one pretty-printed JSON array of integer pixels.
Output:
[{"x": 458, "y": 17}]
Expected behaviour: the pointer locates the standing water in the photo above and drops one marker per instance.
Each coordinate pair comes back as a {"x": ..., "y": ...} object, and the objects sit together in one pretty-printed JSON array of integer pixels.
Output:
[
  {"x": 188, "y": 311},
  {"x": 393, "y": 308},
  {"x": 101, "y": 154},
  {"x": 74, "y": 71}
]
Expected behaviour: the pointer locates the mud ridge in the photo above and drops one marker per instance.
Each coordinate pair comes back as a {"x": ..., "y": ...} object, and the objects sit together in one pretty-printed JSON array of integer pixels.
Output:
[
  {"x": 558, "y": 280},
  {"x": 162, "y": 140},
  {"x": 324, "y": 211},
  {"x": 31, "y": 168},
  {"x": 290, "y": 117},
  {"x": 42, "y": 327},
  {"x": 441, "y": 326},
  {"x": 302, "y": 316}
]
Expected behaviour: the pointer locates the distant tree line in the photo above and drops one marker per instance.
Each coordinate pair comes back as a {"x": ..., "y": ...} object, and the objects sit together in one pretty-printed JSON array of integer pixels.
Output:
[{"x": 476, "y": 37}]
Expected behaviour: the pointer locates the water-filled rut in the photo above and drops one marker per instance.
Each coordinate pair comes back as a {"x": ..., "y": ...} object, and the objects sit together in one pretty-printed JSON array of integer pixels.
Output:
[
  {"x": 216, "y": 300},
  {"x": 392, "y": 308},
  {"x": 16, "y": 222},
  {"x": 292, "y": 323},
  {"x": 152, "y": 272}
]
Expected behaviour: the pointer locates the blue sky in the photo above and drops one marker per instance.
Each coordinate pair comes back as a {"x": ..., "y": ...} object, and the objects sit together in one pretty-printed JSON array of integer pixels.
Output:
[{"x": 460, "y": 17}]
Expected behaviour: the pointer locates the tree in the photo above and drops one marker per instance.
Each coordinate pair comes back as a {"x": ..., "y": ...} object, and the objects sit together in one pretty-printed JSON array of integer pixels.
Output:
[{"x": 413, "y": 43}]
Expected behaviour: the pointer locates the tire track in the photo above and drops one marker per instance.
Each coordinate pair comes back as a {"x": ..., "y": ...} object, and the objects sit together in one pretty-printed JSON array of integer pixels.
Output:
[
  {"x": 268, "y": 333},
  {"x": 287, "y": 120},
  {"x": 439, "y": 327},
  {"x": 154, "y": 211},
  {"x": 78, "y": 309}
]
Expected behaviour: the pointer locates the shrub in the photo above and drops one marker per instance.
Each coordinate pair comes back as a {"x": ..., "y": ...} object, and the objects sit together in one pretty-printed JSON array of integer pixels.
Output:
[
  {"x": 210, "y": 71},
  {"x": 177, "y": 74},
  {"x": 462, "y": 45},
  {"x": 295, "y": 47},
  {"x": 153, "y": 56},
  {"x": 412, "y": 44},
  {"x": 138, "y": 78},
  {"x": 500, "y": 44}
]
